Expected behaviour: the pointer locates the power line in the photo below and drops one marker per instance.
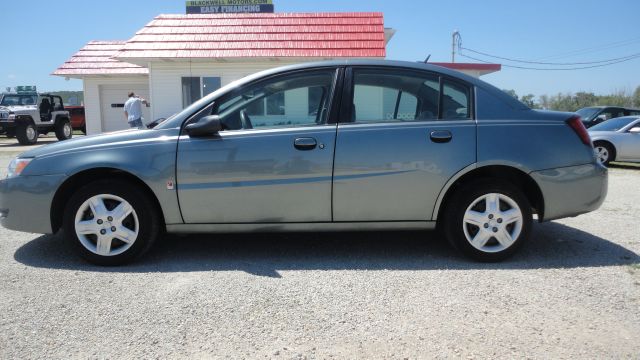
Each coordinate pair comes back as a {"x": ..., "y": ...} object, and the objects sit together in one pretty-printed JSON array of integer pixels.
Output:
[
  {"x": 558, "y": 69},
  {"x": 592, "y": 49},
  {"x": 628, "y": 57}
]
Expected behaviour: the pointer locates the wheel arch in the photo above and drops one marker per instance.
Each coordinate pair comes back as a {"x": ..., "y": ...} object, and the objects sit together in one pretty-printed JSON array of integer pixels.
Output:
[
  {"x": 66, "y": 189},
  {"x": 519, "y": 178}
]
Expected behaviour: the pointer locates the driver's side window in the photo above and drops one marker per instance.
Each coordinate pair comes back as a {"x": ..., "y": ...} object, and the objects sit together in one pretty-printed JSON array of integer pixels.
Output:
[{"x": 299, "y": 99}]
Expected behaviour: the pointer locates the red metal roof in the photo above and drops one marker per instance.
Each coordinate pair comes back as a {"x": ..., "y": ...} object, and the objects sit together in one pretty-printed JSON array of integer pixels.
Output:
[
  {"x": 96, "y": 59},
  {"x": 317, "y": 35}
]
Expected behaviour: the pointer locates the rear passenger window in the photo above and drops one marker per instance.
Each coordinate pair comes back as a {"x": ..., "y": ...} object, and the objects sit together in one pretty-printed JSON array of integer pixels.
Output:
[
  {"x": 388, "y": 96},
  {"x": 455, "y": 101}
]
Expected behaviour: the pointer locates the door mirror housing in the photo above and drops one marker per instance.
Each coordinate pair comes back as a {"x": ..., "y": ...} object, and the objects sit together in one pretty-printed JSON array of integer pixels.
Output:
[
  {"x": 635, "y": 130},
  {"x": 206, "y": 126}
]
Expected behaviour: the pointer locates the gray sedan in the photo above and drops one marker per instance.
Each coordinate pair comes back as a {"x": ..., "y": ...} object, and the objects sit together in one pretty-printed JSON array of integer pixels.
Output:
[
  {"x": 343, "y": 145},
  {"x": 617, "y": 139}
]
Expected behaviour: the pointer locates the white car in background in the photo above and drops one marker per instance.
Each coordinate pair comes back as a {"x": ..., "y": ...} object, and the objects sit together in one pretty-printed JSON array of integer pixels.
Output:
[{"x": 617, "y": 139}]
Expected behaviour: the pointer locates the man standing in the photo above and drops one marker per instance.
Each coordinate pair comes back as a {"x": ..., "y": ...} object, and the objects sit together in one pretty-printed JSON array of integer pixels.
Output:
[{"x": 133, "y": 110}]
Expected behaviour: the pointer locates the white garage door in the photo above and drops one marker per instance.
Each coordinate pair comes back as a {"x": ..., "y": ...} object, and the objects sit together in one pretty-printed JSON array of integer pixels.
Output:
[{"x": 112, "y": 99}]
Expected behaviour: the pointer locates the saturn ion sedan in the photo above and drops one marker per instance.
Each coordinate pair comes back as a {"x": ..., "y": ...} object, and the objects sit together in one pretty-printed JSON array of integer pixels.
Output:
[
  {"x": 344, "y": 145},
  {"x": 617, "y": 139}
]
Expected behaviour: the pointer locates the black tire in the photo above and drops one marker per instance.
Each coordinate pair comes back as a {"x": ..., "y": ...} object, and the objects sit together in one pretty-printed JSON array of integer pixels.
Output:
[
  {"x": 63, "y": 130},
  {"x": 454, "y": 226},
  {"x": 604, "y": 149},
  {"x": 149, "y": 224},
  {"x": 27, "y": 133},
  {"x": 11, "y": 133}
]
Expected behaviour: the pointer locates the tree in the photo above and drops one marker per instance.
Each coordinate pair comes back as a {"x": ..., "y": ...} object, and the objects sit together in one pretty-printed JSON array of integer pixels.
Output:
[
  {"x": 511, "y": 92},
  {"x": 529, "y": 101}
]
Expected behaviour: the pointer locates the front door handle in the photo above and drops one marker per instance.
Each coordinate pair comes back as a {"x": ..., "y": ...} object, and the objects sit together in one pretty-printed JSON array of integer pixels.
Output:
[
  {"x": 441, "y": 136},
  {"x": 305, "y": 143}
]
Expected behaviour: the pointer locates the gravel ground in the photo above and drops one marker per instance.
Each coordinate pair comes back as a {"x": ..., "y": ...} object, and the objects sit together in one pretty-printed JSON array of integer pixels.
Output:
[{"x": 572, "y": 291}]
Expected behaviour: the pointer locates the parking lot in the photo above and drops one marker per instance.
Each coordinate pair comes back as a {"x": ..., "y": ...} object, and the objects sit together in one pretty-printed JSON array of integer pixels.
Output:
[{"x": 572, "y": 291}]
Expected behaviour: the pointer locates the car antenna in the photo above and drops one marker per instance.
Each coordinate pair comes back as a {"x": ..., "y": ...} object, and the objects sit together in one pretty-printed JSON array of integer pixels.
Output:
[{"x": 427, "y": 59}]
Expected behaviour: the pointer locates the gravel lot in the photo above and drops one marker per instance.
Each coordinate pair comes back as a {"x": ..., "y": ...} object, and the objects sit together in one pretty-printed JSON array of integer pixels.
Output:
[{"x": 572, "y": 291}]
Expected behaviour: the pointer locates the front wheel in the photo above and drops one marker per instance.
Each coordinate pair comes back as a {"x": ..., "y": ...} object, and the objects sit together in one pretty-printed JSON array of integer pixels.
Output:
[
  {"x": 604, "y": 152},
  {"x": 111, "y": 222},
  {"x": 488, "y": 219},
  {"x": 27, "y": 133},
  {"x": 64, "y": 130}
]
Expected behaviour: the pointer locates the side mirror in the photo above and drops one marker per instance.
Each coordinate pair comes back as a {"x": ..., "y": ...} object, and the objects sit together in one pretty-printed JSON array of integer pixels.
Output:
[
  {"x": 600, "y": 118},
  {"x": 635, "y": 130},
  {"x": 206, "y": 126}
]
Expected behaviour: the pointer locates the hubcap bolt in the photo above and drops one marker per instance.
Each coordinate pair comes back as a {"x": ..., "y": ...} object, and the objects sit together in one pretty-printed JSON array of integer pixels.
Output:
[
  {"x": 99, "y": 221},
  {"x": 486, "y": 226},
  {"x": 113, "y": 229},
  {"x": 490, "y": 216},
  {"x": 499, "y": 221},
  {"x": 103, "y": 231},
  {"x": 110, "y": 218},
  {"x": 495, "y": 229}
]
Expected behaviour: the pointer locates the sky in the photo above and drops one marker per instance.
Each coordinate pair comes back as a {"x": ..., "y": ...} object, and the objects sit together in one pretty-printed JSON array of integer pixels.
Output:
[{"x": 40, "y": 35}]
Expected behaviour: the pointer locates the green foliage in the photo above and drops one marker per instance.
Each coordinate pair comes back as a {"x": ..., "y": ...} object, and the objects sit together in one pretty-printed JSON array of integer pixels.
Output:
[{"x": 572, "y": 102}]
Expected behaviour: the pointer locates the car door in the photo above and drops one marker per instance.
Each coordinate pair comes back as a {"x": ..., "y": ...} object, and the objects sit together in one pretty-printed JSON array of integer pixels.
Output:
[
  {"x": 272, "y": 162},
  {"x": 628, "y": 143},
  {"x": 402, "y": 135}
]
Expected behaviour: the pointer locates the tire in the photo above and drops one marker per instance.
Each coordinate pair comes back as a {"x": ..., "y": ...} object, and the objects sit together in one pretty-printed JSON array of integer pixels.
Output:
[
  {"x": 605, "y": 152},
  {"x": 11, "y": 134},
  {"x": 111, "y": 240},
  {"x": 27, "y": 133},
  {"x": 484, "y": 234},
  {"x": 64, "y": 130}
]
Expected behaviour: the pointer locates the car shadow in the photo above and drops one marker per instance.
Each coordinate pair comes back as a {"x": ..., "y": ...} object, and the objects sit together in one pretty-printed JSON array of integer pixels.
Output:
[
  {"x": 552, "y": 245},
  {"x": 626, "y": 166}
]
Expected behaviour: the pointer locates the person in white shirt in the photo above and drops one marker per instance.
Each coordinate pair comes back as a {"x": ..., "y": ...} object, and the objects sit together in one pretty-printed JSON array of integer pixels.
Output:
[{"x": 133, "y": 110}]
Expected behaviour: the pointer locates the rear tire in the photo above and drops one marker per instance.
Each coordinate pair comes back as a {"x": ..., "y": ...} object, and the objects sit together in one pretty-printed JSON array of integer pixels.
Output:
[
  {"x": 64, "y": 130},
  {"x": 27, "y": 133},
  {"x": 487, "y": 219},
  {"x": 605, "y": 152},
  {"x": 111, "y": 222}
]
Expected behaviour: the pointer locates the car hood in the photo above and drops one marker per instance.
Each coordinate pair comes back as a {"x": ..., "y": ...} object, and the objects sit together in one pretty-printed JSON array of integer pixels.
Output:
[
  {"x": 102, "y": 141},
  {"x": 18, "y": 108}
]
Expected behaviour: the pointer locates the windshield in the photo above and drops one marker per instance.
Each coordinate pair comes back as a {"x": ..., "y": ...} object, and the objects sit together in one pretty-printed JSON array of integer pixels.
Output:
[
  {"x": 16, "y": 100},
  {"x": 613, "y": 124},
  {"x": 588, "y": 113}
]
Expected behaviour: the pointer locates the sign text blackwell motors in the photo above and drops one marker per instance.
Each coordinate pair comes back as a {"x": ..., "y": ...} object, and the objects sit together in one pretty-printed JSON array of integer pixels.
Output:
[{"x": 229, "y": 6}]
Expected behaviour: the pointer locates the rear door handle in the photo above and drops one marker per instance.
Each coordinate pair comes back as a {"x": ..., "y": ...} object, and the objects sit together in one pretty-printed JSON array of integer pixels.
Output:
[
  {"x": 441, "y": 136},
  {"x": 305, "y": 143}
]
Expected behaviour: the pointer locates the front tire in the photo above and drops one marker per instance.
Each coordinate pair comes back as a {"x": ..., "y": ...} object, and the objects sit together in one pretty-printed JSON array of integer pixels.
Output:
[
  {"x": 488, "y": 219},
  {"x": 64, "y": 130},
  {"x": 111, "y": 222},
  {"x": 27, "y": 133},
  {"x": 605, "y": 152}
]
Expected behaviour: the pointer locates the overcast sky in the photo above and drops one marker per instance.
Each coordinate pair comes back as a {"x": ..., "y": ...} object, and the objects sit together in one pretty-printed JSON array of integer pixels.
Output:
[{"x": 40, "y": 35}]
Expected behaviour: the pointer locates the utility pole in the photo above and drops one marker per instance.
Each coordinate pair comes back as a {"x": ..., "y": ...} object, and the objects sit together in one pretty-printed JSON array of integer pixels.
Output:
[{"x": 454, "y": 38}]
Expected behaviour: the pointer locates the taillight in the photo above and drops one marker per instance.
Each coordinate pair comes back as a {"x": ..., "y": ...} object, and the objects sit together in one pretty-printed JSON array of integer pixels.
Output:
[{"x": 576, "y": 124}]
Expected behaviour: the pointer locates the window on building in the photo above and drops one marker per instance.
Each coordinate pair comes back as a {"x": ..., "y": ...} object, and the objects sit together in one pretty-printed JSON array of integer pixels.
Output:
[{"x": 195, "y": 88}]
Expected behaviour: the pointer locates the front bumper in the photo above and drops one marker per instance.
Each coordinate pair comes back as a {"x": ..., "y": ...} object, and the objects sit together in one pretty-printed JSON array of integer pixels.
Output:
[
  {"x": 571, "y": 191},
  {"x": 25, "y": 202}
]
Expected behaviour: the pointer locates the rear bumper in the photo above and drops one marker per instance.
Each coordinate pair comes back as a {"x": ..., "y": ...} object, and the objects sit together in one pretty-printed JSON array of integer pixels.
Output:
[
  {"x": 25, "y": 202},
  {"x": 571, "y": 191}
]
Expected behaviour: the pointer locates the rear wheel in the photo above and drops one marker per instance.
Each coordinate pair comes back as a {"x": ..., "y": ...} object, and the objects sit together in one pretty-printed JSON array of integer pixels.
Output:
[
  {"x": 605, "y": 152},
  {"x": 111, "y": 222},
  {"x": 27, "y": 133},
  {"x": 488, "y": 220},
  {"x": 64, "y": 130}
]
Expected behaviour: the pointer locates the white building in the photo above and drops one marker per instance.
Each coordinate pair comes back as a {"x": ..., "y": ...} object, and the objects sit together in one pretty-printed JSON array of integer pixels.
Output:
[{"x": 176, "y": 59}]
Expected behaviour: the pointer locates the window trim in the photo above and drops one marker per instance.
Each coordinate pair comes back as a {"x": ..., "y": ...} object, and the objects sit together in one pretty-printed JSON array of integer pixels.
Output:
[
  {"x": 332, "y": 106},
  {"x": 349, "y": 89}
]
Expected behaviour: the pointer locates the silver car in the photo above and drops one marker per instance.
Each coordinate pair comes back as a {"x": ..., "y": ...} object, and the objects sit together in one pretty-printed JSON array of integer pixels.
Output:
[
  {"x": 352, "y": 144},
  {"x": 617, "y": 139}
]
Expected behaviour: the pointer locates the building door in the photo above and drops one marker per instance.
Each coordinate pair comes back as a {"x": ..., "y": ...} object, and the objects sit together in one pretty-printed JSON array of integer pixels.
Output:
[{"x": 112, "y": 99}]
